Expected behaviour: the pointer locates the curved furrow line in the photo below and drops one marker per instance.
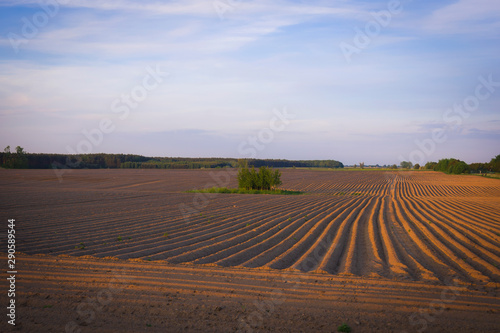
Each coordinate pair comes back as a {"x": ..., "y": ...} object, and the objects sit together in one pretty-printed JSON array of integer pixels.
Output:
[
  {"x": 353, "y": 259},
  {"x": 78, "y": 224},
  {"x": 376, "y": 260},
  {"x": 406, "y": 190},
  {"x": 465, "y": 232},
  {"x": 471, "y": 191},
  {"x": 418, "y": 263},
  {"x": 419, "y": 244},
  {"x": 279, "y": 249},
  {"x": 477, "y": 219},
  {"x": 421, "y": 190},
  {"x": 54, "y": 241},
  {"x": 381, "y": 190},
  {"x": 192, "y": 241},
  {"x": 474, "y": 211},
  {"x": 455, "y": 246},
  {"x": 331, "y": 260},
  {"x": 100, "y": 225},
  {"x": 303, "y": 242},
  {"x": 229, "y": 240},
  {"x": 430, "y": 244},
  {"x": 144, "y": 229},
  {"x": 157, "y": 230},
  {"x": 258, "y": 244},
  {"x": 398, "y": 262},
  {"x": 434, "y": 191},
  {"x": 424, "y": 191},
  {"x": 413, "y": 190},
  {"x": 264, "y": 252},
  {"x": 309, "y": 250},
  {"x": 484, "y": 237}
]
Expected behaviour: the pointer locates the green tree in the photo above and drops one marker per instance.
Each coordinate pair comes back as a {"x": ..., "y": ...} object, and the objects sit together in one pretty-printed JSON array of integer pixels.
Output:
[
  {"x": 495, "y": 164},
  {"x": 430, "y": 165},
  {"x": 451, "y": 165},
  {"x": 17, "y": 160},
  {"x": 264, "y": 179},
  {"x": 416, "y": 166},
  {"x": 406, "y": 165}
]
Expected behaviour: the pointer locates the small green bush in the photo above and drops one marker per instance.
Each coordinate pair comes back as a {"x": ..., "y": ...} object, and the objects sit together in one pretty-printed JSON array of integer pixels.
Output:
[
  {"x": 264, "y": 179},
  {"x": 344, "y": 328}
]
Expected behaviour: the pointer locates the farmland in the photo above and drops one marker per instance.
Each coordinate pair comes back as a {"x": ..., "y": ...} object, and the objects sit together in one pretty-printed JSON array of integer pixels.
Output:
[
  {"x": 404, "y": 227},
  {"x": 417, "y": 226}
]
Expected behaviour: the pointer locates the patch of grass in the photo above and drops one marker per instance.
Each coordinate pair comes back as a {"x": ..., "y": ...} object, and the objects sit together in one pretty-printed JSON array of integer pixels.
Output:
[
  {"x": 165, "y": 235},
  {"x": 344, "y": 328},
  {"x": 488, "y": 175},
  {"x": 47, "y": 306},
  {"x": 289, "y": 219},
  {"x": 148, "y": 325},
  {"x": 243, "y": 191},
  {"x": 119, "y": 239}
]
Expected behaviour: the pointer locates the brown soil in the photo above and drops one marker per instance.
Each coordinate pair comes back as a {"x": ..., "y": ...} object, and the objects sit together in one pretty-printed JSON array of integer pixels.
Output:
[{"x": 380, "y": 251}]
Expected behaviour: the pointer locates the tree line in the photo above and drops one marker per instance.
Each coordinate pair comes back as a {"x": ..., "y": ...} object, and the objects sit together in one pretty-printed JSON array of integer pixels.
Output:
[
  {"x": 455, "y": 166},
  {"x": 23, "y": 160}
]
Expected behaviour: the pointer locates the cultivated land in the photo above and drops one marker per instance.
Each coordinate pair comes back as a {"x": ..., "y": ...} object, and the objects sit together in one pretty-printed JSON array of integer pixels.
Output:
[{"x": 380, "y": 250}]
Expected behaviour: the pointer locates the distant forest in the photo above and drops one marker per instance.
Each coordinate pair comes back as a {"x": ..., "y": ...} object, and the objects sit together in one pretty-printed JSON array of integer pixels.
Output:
[{"x": 22, "y": 160}]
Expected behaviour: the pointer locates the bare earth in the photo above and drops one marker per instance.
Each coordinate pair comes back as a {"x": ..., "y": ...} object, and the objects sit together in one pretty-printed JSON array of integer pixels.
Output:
[{"x": 129, "y": 251}]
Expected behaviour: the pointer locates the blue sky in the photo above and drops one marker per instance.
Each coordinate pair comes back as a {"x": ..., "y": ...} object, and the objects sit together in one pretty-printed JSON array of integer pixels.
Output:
[{"x": 232, "y": 64}]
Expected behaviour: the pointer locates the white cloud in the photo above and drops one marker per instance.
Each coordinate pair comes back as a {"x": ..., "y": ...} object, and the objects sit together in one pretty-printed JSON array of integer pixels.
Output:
[{"x": 456, "y": 18}]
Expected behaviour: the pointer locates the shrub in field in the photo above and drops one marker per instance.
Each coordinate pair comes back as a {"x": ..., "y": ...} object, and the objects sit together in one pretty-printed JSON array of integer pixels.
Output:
[
  {"x": 264, "y": 179},
  {"x": 344, "y": 328}
]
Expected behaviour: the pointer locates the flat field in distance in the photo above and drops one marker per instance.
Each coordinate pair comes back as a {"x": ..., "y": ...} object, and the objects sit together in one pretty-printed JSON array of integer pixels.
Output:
[{"x": 406, "y": 231}]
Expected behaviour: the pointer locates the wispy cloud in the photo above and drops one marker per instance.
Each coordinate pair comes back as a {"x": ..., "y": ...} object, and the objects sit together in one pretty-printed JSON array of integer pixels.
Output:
[{"x": 466, "y": 17}]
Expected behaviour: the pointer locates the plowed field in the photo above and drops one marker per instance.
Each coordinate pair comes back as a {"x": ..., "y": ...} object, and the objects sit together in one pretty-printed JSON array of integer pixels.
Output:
[
  {"x": 406, "y": 225},
  {"x": 381, "y": 251}
]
